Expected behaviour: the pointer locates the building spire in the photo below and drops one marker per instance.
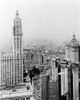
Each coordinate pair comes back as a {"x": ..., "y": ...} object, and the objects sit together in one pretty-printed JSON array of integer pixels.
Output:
[
  {"x": 74, "y": 37},
  {"x": 74, "y": 41},
  {"x": 17, "y": 13},
  {"x": 73, "y": 34}
]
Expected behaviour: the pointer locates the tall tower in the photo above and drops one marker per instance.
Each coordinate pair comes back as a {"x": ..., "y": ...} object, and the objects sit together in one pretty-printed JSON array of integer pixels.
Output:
[
  {"x": 75, "y": 73},
  {"x": 17, "y": 50},
  {"x": 17, "y": 34},
  {"x": 72, "y": 50}
]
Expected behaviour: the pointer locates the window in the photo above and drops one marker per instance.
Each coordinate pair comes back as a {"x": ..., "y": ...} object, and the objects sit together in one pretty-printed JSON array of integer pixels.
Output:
[{"x": 32, "y": 56}]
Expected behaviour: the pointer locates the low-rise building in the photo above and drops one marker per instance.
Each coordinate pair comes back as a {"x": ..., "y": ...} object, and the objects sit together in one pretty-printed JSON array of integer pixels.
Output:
[{"x": 16, "y": 93}]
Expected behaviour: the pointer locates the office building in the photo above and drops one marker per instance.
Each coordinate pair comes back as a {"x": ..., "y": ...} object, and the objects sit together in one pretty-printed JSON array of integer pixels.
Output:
[
  {"x": 11, "y": 65},
  {"x": 47, "y": 88},
  {"x": 73, "y": 50},
  {"x": 73, "y": 57},
  {"x": 36, "y": 84}
]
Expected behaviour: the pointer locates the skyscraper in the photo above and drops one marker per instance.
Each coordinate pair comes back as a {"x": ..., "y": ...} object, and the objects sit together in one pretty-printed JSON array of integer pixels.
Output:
[
  {"x": 73, "y": 50},
  {"x": 18, "y": 50},
  {"x": 73, "y": 55},
  {"x": 17, "y": 35},
  {"x": 11, "y": 65}
]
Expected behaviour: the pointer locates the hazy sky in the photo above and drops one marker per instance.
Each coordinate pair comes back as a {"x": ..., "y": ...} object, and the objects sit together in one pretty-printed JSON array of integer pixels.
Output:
[{"x": 46, "y": 19}]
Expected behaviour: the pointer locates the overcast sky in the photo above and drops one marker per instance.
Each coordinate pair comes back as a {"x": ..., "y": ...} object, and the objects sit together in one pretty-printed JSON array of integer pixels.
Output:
[{"x": 44, "y": 19}]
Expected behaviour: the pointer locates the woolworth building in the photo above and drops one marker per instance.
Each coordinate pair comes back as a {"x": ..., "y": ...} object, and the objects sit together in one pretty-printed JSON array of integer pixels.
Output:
[{"x": 11, "y": 65}]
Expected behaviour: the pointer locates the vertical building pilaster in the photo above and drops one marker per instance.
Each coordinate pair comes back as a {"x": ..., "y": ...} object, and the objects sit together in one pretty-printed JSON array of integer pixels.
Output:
[{"x": 75, "y": 82}]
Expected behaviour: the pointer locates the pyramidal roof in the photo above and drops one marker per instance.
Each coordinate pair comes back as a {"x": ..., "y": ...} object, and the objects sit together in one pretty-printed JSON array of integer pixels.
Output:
[{"x": 74, "y": 42}]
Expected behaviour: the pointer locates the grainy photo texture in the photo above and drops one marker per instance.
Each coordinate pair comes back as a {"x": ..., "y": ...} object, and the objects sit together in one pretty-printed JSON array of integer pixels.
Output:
[{"x": 39, "y": 50}]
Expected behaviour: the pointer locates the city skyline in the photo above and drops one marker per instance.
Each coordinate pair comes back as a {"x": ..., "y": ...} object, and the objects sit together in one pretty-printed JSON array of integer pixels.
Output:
[
  {"x": 42, "y": 19},
  {"x": 43, "y": 57}
]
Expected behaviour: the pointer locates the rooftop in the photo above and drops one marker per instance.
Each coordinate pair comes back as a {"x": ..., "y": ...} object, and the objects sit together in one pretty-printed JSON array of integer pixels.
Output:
[
  {"x": 21, "y": 91},
  {"x": 74, "y": 42}
]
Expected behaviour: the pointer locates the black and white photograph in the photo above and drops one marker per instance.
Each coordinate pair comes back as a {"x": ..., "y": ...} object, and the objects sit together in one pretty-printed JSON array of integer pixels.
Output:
[{"x": 39, "y": 49}]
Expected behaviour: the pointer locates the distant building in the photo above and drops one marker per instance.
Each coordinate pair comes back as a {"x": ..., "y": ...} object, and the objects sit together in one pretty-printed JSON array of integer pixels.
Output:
[
  {"x": 45, "y": 86},
  {"x": 36, "y": 87},
  {"x": 32, "y": 57},
  {"x": 73, "y": 50},
  {"x": 73, "y": 58}
]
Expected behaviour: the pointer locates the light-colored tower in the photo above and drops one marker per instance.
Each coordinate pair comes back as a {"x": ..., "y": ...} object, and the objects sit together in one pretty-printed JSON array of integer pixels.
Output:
[
  {"x": 17, "y": 33},
  {"x": 54, "y": 80},
  {"x": 54, "y": 69},
  {"x": 18, "y": 50},
  {"x": 64, "y": 78},
  {"x": 68, "y": 52},
  {"x": 75, "y": 72},
  {"x": 72, "y": 50}
]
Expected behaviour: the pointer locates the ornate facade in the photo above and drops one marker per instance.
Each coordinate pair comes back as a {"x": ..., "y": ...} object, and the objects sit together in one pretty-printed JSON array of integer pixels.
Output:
[{"x": 11, "y": 65}]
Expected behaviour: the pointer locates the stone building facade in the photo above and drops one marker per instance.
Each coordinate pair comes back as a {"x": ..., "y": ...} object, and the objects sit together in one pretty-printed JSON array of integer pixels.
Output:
[
  {"x": 47, "y": 85},
  {"x": 11, "y": 65}
]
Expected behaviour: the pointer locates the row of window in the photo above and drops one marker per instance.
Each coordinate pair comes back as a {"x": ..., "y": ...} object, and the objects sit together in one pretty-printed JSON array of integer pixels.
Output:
[{"x": 21, "y": 99}]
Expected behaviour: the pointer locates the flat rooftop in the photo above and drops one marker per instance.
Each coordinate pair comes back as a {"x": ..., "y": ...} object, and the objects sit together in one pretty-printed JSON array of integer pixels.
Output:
[{"x": 21, "y": 91}]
